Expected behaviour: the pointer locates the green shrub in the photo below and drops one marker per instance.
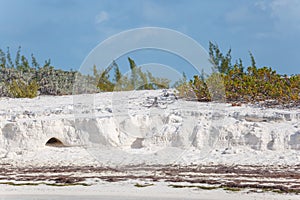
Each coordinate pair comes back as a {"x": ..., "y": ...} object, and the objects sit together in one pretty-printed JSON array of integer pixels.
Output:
[
  {"x": 19, "y": 89},
  {"x": 135, "y": 80},
  {"x": 250, "y": 85}
]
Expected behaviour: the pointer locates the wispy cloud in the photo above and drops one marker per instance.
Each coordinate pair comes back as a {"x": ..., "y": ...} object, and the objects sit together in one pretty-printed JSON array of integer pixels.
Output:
[
  {"x": 152, "y": 11},
  {"x": 284, "y": 14},
  {"x": 271, "y": 18},
  {"x": 239, "y": 15},
  {"x": 155, "y": 11},
  {"x": 101, "y": 17},
  {"x": 261, "y": 5}
]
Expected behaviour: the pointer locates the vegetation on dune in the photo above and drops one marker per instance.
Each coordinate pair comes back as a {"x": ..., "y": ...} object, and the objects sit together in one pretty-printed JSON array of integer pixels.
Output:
[
  {"x": 21, "y": 78},
  {"x": 135, "y": 79},
  {"x": 241, "y": 84},
  {"x": 230, "y": 81},
  {"x": 20, "y": 89}
]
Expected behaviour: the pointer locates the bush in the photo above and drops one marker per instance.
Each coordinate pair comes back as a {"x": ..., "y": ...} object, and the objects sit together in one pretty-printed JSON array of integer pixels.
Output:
[
  {"x": 19, "y": 89},
  {"x": 250, "y": 85},
  {"x": 135, "y": 80}
]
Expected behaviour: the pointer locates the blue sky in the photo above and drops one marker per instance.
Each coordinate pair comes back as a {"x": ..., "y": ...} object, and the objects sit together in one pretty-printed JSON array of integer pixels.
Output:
[{"x": 67, "y": 30}]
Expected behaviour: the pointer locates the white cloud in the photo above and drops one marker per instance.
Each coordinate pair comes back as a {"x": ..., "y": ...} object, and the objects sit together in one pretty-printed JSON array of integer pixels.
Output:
[
  {"x": 157, "y": 12},
  {"x": 261, "y": 5},
  {"x": 152, "y": 11},
  {"x": 284, "y": 13},
  {"x": 239, "y": 15},
  {"x": 101, "y": 17},
  {"x": 287, "y": 13}
]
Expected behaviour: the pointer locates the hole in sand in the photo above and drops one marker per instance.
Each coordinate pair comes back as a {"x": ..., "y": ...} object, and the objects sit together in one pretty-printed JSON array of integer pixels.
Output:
[{"x": 54, "y": 142}]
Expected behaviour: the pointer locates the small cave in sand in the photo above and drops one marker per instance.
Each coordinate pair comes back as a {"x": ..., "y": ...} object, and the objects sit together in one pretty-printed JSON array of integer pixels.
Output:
[
  {"x": 54, "y": 142},
  {"x": 138, "y": 143}
]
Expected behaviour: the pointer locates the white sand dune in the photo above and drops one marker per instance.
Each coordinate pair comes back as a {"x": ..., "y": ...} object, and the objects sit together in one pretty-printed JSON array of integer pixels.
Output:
[
  {"x": 122, "y": 128},
  {"x": 142, "y": 128}
]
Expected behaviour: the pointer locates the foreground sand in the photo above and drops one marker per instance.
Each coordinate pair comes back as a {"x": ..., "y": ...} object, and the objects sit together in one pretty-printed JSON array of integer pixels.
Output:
[{"x": 127, "y": 190}]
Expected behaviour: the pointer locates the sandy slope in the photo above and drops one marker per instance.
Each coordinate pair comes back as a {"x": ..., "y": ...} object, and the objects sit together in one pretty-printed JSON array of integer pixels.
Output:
[
  {"x": 148, "y": 128},
  {"x": 145, "y": 127}
]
